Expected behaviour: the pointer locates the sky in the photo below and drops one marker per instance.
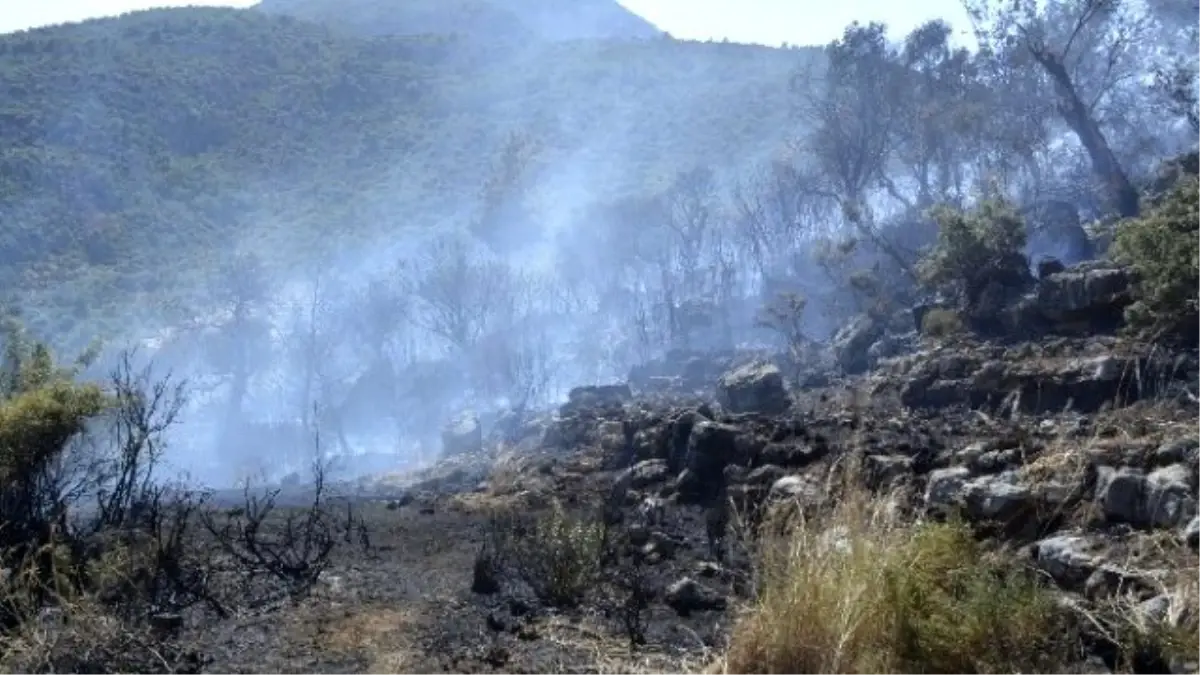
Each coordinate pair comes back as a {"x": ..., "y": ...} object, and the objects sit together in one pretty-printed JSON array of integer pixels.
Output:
[{"x": 769, "y": 22}]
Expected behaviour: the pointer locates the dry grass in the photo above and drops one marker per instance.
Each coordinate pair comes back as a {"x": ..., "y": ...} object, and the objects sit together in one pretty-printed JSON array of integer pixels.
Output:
[
  {"x": 859, "y": 590},
  {"x": 602, "y": 653},
  {"x": 1167, "y": 627},
  {"x": 83, "y": 637},
  {"x": 507, "y": 473},
  {"x": 381, "y": 635}
]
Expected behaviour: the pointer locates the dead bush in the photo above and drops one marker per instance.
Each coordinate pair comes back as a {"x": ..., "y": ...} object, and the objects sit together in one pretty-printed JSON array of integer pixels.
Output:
[
  {"x": 95, "y": 547},
  {"x": 286, "y": 548},
  {"x": 631, "y": 592}
]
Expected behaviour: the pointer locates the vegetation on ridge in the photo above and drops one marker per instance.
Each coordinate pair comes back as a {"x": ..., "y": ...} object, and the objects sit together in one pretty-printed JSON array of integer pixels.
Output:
[{"x": 132, "y": 149}]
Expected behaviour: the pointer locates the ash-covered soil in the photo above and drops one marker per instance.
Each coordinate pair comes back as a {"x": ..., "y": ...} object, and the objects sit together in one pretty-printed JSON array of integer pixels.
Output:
[{"x": 1100, "y": 502}]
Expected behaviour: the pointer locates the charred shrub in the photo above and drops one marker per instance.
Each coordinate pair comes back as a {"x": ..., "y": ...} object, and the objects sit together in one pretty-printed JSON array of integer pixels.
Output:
[
  {"x": 288, "y": 549},
  {"x": 95, "y": 546}
]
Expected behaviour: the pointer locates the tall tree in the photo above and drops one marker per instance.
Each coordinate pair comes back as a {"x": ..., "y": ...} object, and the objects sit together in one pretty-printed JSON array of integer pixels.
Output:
[
  {"x": 1085, "y": 49},
  {"x": 853, "y": 112},
  {"x": 939, "y": 112}
]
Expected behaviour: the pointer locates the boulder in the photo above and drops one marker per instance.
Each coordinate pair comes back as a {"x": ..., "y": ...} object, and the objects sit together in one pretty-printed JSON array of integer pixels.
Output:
[
  {"x": 597, "y": 396},
  {"x": 851, "y": 344},
  {"x": 462, "y": 435},
  {"x": 999, "y": 497},
  {"x": 710, "y": 448},
  {"x": 1090, "y": 294},
  {"x": 755, "y": 387},
  {"x": 688, "y": 595},
  {"x": 1068, "y": 559},
  {"x": 1048, "y": 266},
  {"x": 1163, "y": 498}
]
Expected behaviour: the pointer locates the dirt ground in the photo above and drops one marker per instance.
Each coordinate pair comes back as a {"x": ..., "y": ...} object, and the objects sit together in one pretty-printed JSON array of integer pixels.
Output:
[{"x": 406, "y": 604}]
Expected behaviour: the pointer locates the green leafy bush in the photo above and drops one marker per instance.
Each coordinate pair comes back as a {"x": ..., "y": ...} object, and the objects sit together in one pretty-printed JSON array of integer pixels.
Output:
[
  {"x": 558, "y": 554},
  {"x": 1161, "y": 247},
  {"x": 976, "y": 250},
  {"x": 41, "y": 409}
]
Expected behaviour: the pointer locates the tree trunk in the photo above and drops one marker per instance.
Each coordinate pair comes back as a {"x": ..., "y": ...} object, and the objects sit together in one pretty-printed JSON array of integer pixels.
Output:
[{"x": 1120, "y": 191}]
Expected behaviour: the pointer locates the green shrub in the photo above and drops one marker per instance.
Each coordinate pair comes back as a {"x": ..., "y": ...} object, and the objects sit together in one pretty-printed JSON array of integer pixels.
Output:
[
  {"x": 974, "y": 250},
  {"x": 41, "y": 409},
  {"x": 558, "y": 554},
  {"x": 1161, "y": 247}
]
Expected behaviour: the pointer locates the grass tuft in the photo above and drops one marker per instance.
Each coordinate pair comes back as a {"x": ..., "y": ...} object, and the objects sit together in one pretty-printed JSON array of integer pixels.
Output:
[{"x": 860, "y": 590}]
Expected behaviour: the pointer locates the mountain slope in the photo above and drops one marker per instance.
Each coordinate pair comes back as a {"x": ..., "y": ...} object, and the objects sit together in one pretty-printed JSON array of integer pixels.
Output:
[
  {"x": 137, "y": 151},
  {"x": 583, "y": 19},
  {"x": 496, "y": 19},
  {"x": 477, "y": 18}
]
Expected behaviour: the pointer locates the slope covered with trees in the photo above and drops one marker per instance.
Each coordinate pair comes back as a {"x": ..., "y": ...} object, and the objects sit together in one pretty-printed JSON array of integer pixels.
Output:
[{"x": 131, "y": 145}]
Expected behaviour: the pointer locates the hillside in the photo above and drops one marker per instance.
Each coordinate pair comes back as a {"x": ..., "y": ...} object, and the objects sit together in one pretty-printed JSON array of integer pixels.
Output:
[
  {"x": 135, "y": 147},
  {"x": 523, "y": 19}
]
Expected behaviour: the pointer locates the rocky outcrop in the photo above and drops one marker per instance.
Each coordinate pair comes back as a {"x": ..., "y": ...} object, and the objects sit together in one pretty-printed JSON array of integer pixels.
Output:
[
  {"x": 596, "y": 396},
  {"x": 1081, "y": 375},
  {"x": 851, "y": 344},
  {"x": 755, "y": 387},
  {"x": 1086, "y": 299},
  {"x": 1071, "y": 467},
  {"x": 580, "y": 421},
  {"x": 681, "y": 371},
  {"x": 462, "y": 435}
]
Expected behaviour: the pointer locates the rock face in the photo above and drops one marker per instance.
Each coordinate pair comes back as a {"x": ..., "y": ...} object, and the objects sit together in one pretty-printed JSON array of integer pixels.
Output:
[
  {"x": 755, "y": 387},
  {"x": 851, "y": 344},
  {"x": 1031, "y": 380},
  {"x": 1085, "y": 299},
  {"x": 462, "y": 435},
  {"x": 602, "y": 396},
  {"x": 680, "y": 371}
]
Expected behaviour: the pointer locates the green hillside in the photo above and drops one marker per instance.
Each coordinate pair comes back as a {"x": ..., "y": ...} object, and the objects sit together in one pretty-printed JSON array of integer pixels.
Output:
[{"x": 135, "y": 151}]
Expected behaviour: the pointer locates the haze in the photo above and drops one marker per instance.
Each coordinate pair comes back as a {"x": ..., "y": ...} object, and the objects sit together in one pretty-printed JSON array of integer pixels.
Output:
[{"x": 374, "y": 230}]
